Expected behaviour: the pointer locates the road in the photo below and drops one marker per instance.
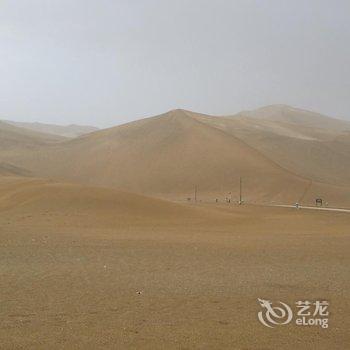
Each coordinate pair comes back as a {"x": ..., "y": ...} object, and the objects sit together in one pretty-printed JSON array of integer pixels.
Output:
[{"x": 314, "y": 208}]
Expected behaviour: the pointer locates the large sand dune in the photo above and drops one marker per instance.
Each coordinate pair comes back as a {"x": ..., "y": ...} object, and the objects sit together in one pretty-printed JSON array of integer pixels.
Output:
[{"x": 283, "y": 158}]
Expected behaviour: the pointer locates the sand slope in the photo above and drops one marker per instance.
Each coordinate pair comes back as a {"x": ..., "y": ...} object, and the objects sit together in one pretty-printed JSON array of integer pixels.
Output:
[
  {"x": 280, "y": 160},
  {"x": 168, "y": 154},
  {"x": 296, "y": 116},
  {"x": 60, "y": 130},
  {"x": 17, "y": 137},
  {"x": 86, "y": 206},
  {"x": 74, "y": 276},
  {"x": 7, "y": 169},
  {"x": 306, "y": 143}
]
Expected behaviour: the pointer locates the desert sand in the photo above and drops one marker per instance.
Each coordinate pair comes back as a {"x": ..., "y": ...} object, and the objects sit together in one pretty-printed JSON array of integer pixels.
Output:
[
  {"x": 84, "y": 267},
  {"x": 101, "y": 248}
]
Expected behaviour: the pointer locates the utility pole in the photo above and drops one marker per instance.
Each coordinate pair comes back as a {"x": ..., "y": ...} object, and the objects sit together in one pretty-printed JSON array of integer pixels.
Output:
[
  {"x": 240, "y": 191},
  {"x": 195, "y": 193}
]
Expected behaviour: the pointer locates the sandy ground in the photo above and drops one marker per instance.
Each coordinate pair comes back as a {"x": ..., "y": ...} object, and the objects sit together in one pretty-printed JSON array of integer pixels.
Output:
[{"x": 87, "y": 282}]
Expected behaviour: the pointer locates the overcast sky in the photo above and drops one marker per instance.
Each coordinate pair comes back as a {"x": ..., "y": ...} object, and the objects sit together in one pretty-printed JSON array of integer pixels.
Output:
[{"x": 104, "y": 62}]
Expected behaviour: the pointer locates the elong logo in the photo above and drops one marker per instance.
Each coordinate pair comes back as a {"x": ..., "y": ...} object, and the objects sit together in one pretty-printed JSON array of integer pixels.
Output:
[
  {"x": 274, "y": 315},
  {"x": 308, "y": 313}
]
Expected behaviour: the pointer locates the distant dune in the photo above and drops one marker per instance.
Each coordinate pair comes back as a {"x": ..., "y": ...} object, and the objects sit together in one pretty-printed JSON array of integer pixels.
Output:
[
  {"x": 60, "y": 130},
  {"x": 281, "y": 159},
  {"x": 308, "y": 144},
  {"x": 7, "y": 169},
  {"x": 300, "y": 117},
  {"x": 12, "y": 137}
]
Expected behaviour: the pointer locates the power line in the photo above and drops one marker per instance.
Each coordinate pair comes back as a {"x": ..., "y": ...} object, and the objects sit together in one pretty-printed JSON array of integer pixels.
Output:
[{"x": 240, "y": 191}]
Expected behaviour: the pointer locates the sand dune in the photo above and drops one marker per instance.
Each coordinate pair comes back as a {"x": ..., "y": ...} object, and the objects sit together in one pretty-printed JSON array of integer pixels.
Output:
[
  {"x": 299, "y": 117},
  {"x": 60, "y": 130},
  {"x": 17, "y": 137},
  {"x": 89, "y": 206},
  {"x": 165, "y": 155},
  {"x": 171, "y": 154},
  {"x": 308, "y": 144},
  {"x": 7, "y": 169}
]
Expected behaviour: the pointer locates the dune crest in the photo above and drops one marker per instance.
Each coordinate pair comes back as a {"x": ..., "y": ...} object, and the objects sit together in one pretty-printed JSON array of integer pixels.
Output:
[{"x": 274, "y": 150}]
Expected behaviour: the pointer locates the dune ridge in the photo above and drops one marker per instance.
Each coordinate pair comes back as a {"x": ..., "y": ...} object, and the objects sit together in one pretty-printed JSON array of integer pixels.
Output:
[{"x": 277, "y": 152}]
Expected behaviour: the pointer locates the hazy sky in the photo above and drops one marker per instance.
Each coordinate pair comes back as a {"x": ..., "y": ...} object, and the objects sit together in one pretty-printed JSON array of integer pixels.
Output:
[{"x": 104, "y": 62}]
